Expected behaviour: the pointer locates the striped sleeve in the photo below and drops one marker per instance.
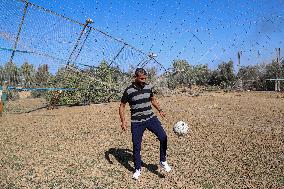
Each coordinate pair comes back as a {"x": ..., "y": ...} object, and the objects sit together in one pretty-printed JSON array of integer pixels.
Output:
[{"x": 125, "y": 97}]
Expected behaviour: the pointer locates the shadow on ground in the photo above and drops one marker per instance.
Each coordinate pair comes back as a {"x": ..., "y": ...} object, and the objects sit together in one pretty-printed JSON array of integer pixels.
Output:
[{"x": 124, "y": 156}]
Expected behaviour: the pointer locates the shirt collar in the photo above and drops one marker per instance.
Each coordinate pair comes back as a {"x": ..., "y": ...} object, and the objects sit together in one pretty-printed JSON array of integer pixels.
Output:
[{"x": 135, "y": 86}]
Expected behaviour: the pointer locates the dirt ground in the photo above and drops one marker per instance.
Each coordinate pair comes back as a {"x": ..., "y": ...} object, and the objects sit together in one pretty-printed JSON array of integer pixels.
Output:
[{"x": 236, "y": 141}]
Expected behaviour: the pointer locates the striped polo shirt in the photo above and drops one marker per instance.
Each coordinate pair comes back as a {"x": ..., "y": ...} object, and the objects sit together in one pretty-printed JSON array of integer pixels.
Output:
[{"x": 139, "y": 100}]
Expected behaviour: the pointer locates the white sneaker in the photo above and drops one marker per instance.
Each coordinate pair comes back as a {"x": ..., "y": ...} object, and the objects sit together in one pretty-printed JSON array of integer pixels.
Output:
[
  {"x": 136, "y": 174},
  {"x": 165, "y": 166}
]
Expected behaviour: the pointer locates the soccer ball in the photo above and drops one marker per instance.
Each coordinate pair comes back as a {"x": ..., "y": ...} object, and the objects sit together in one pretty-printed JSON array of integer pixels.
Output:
[{"x": 180, "y": 128}]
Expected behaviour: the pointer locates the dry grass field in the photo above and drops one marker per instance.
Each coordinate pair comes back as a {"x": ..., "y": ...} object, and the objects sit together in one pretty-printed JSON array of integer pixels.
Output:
[{"x": 236, "y": 141}]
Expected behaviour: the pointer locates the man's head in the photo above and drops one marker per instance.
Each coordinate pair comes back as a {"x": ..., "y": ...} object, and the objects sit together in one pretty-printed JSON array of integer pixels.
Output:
[{"x": 140, "y": 76}]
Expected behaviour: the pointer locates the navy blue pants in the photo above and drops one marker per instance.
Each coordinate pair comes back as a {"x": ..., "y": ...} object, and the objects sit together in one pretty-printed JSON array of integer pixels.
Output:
[{"x": 137, "y": 130}]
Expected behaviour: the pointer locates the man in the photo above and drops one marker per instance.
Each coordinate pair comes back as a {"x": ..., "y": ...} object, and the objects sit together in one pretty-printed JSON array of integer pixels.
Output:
[{"x": 140, "y": 97}]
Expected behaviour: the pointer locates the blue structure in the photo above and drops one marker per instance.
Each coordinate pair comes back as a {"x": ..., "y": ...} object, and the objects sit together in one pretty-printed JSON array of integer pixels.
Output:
[{"x": 41, "y": 89}]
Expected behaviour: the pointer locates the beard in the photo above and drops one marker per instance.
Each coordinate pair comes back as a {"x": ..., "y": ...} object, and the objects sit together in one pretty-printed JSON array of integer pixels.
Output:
[{"x": 141, "y": 84}]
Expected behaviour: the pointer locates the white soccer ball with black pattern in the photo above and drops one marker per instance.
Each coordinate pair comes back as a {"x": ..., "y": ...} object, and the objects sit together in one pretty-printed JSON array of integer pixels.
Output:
[{"x": 180, "y": 128}]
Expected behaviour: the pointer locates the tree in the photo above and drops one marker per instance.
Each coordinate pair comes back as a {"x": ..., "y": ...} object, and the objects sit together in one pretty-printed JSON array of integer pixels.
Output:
[
  {"x": 12, "y": 73},
  {"x": 200, "y": 74},
  {"x": 227, "y": 72},
  {"x": 152, "y": 73},
  {"x": 214, "y": 78},
  {"x": 252, "y": 77},
  {"x": 274, "y": 70},
  {"x": 27, "y": 74},
  {"x": 224, "y": 75},
  {"x": 180, "y": 76},
  {"x": 95, "y": 84},
  {"x": 42, "y": 76}
]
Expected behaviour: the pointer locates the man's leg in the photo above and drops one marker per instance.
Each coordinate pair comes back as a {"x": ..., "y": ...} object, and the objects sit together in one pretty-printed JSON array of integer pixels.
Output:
[
  {"x": 155, "y": 126},
  {"x": 137, "y": 130}
]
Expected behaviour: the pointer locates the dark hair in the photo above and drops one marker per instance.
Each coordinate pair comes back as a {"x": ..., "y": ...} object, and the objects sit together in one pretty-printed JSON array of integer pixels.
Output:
[{"x": 140, "y": 71}]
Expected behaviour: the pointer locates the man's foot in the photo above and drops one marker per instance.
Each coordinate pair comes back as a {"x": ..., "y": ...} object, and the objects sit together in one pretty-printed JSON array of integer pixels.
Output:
[
  {"x": 136, "y": 174},
  {"x": 165, "y": 166}
]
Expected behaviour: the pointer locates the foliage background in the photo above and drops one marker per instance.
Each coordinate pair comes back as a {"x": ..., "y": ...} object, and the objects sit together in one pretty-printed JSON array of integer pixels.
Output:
[{"x": 105, "y": 83}]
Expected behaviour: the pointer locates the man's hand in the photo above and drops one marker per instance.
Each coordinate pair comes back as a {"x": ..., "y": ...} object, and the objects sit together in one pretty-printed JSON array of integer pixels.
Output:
[
  {"x": 162, "y": 113},
  {"x": 123, "y": 126}
]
